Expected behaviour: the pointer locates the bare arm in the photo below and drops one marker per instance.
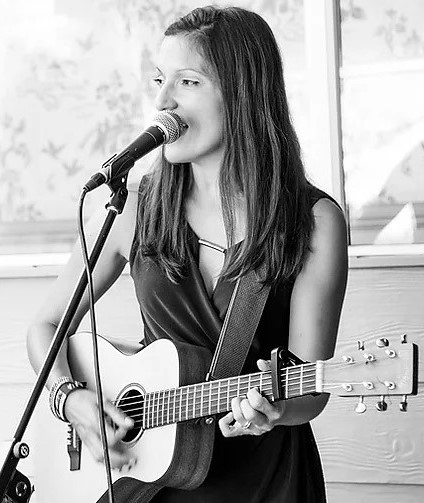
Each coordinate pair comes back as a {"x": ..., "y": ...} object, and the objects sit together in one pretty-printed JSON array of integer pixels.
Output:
[
  {"x": 110, "y": 264},
  {"x": 316, "y": 302},
  {"x": 315, "y": 309},
  {"x": 80, "y": 407}
]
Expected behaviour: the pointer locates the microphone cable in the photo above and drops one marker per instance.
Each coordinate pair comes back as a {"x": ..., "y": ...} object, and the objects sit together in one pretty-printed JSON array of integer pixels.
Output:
[{"x": 99, "y": 391}]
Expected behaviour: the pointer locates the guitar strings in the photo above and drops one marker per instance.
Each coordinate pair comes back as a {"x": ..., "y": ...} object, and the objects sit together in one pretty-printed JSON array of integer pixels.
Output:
[
  {"x": 293, "y": 374},
  {"x": 184, "y": 405},
  {"x": 223, "y": 387},
  {"x": 186, "y": 411}
]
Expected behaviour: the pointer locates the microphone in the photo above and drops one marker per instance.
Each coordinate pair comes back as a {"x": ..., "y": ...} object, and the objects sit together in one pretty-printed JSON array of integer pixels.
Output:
[{"x": 166, "y": 127}]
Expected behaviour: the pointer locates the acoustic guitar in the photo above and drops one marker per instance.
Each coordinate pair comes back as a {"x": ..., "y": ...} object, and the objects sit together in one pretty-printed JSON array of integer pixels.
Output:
[{"x": 174, "y": 414}]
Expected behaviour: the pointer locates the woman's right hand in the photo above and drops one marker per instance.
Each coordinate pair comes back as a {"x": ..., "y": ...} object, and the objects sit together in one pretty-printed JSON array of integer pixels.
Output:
[{"x": 82, "y": 412}]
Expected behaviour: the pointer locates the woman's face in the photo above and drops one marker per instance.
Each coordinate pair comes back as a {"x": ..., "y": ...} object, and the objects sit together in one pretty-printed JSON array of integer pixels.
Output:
[{"x": 187, "y": 86}]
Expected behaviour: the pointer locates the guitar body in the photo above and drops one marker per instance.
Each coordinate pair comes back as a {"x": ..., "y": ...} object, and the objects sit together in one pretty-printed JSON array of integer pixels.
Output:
[{"x": 175, "y": 455}]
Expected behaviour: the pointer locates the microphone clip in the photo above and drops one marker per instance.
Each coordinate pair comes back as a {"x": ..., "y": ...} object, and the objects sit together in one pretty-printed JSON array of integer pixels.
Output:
[{"x": 113, "y": 172}]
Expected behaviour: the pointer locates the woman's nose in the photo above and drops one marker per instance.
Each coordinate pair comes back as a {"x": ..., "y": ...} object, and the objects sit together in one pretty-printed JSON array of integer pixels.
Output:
[{"x": 165, "y": 99}]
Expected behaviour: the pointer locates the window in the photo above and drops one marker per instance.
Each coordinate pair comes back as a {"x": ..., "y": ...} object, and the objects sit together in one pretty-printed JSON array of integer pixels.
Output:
[
  {"x": 382, "y": 103},
  {"x": 76, "y": 89}
]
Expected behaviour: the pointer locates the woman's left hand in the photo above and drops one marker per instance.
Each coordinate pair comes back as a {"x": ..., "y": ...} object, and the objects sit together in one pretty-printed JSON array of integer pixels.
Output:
[{"x": 252, "y": 414}]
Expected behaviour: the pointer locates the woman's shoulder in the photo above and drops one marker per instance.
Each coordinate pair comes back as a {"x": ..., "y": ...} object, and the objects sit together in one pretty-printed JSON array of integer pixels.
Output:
[
  {"x": 316, "y": 194},
  {"x": 329, "y": 236}
]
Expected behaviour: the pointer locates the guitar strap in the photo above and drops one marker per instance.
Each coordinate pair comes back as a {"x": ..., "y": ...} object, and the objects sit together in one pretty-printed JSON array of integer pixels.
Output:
[
  {"x": 241, "y": 321},
  {"x": 238, "y": 329}
]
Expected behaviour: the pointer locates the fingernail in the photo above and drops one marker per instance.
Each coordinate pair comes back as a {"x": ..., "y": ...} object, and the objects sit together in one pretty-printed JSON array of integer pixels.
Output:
[{"x": 129, "y": 421}]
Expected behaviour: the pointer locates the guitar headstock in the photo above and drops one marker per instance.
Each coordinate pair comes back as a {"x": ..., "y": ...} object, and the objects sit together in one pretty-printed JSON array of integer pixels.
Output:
[{"x": 379, "y": 370}]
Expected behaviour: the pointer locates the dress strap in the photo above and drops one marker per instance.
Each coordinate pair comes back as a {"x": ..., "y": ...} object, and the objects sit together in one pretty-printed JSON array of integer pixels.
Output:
[{"x": 209, "y": 244}]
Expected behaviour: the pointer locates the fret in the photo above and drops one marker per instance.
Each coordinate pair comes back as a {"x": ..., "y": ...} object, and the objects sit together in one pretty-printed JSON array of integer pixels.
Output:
[
  {"x": 228, "y": 394},
  {"x": 150, "y": 409},
  {"x": 301, "y": 380},
  {"x": 158, "y": 409},
  {"x": 144, "y": 413},
  {"x": 173, "y": 405},
  {"x": 162, "y": 405},
  {"x": 154, "y": 408},
  {"x": 187, "y": 390},
  {"x": 219, "y": 397},
  {"x": 201, "y": 397},
  {"x": 154, "y": 405},
  {"x": 167, "y": 406},
  {"x": 194, "y": 402},
  {"x": 287, "y": 383},
  {"x": 181, "y": 403},
  {"x": 210, "y": 399}
]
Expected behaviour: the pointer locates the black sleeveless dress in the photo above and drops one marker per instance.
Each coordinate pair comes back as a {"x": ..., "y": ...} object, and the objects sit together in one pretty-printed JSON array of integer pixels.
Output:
[{"x": 282, "y": 465}]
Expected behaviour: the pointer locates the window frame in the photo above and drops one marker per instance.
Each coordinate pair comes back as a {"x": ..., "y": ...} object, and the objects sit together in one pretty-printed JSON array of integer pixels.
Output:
[{"x": 323, "y": 46}]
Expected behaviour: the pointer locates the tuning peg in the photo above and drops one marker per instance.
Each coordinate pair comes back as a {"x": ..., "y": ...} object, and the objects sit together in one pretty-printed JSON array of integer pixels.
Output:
[
  {"x": 391, "y": 353},
  {"x": 360, "y": 406},
  {"x": 381, "y": 406},
  {"x": 403, "y": 406},
  {"x": 369, "y": 357},
  {"x": 390, "y": 385},
  {"x": 403, "y": 339},
  {"x": 361, "y": 345},
  {"x": 382, "y": 342}
]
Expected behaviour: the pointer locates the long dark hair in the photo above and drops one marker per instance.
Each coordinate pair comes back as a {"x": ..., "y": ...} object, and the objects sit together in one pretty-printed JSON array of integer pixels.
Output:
[{"x": 262, "y": 159}]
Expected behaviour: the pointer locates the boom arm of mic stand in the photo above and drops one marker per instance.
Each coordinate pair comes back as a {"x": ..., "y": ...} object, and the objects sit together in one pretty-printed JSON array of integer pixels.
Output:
[{"x": 115, "y": 207}]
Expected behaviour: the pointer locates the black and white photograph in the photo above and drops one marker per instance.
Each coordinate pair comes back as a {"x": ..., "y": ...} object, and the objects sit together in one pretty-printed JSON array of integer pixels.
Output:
[{"x": 211, "y": 251}]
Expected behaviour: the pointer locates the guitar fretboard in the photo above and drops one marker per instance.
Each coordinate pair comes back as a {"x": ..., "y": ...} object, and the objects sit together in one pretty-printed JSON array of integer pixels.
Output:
[{"x": 185, "y": 403}]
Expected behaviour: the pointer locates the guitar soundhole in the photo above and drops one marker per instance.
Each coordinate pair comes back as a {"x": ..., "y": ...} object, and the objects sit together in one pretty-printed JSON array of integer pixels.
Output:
[{"x": 130, "y": 401}]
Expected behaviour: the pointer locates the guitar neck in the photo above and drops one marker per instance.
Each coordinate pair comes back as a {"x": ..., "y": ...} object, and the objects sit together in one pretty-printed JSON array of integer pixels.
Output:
[{"x": 209, "y": 398}]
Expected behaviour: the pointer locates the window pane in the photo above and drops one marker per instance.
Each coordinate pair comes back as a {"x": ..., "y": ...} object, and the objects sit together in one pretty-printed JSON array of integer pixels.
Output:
[
  {"x": 383, "y": 119},
  {"x": 76, "y": 88}
]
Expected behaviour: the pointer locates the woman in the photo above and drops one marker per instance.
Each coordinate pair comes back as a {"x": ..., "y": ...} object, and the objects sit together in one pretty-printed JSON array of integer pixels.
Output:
[{"x": 235, "y": 179}]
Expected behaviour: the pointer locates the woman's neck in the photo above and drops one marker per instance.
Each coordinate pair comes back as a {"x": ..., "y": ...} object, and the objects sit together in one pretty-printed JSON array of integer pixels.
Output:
[{"x": 205, "y": 188}]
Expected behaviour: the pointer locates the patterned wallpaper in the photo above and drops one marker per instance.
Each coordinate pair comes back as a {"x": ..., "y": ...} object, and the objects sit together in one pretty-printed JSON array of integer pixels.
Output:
[{"x": 76, "y": 87}]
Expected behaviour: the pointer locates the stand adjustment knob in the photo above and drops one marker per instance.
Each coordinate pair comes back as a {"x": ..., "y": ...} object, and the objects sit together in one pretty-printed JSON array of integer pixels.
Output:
[{"x": 21, "y": 450}]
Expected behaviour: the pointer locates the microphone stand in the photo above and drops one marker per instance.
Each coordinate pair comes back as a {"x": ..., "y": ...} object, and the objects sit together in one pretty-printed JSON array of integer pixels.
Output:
[{"x": 12, "y": 483}]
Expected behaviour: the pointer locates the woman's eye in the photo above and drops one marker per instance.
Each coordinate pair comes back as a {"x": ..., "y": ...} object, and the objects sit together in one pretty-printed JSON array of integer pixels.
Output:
[
  {"x": 158, "y": 81},
  {"x": 189, "y": 82}
]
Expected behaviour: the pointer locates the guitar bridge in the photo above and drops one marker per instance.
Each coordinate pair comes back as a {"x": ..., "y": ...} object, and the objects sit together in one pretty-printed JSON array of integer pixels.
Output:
[{"x": 73, "y": 444}]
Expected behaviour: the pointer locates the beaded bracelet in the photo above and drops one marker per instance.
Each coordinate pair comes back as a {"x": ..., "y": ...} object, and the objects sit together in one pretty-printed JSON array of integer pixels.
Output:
[{"x": 59, "y": 392}]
